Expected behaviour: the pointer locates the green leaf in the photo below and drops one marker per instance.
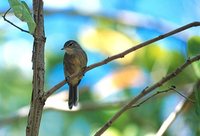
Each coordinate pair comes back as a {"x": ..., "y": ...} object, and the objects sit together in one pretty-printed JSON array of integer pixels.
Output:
[
  {"x": 26, "y": 6},
  {"x": 22, "y": 11},
  {"x": 194, "y": 49},
  {"x": 196, "y": 90},
  {"x": 196, "y": 67},
  {"x": 17, "y": 8},
  {"x": 28, "y": 18},
  {"x": 31, "y": 26},
  {"x": 194, "y": 45}
]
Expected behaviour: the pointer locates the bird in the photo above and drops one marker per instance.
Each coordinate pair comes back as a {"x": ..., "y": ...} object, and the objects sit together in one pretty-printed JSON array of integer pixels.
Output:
[{"x": 75, "y": 61}]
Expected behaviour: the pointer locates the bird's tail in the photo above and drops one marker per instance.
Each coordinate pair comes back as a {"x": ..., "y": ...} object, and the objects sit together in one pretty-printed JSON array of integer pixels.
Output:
[{"x": 73, "y": 96}]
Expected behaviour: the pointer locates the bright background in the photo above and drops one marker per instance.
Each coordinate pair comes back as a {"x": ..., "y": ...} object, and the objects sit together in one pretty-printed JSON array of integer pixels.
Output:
[{"x": 103, "y": 28}]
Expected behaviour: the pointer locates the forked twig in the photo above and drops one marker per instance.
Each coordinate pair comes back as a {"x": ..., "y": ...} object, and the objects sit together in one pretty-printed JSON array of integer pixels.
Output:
[
  {"x": 188, "y": 99},
  {"x": 4, "y": 17},
  {"x": 153, "y": 95}
]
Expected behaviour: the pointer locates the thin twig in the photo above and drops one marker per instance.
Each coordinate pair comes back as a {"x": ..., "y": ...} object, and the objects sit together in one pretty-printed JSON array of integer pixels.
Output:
[
  {"x": 188, "y": 99},
  {"x": 4, "y": 17},
  {"x": 121, "y": 55},
  {"x": 153, "y": 95},
  {"x": 143, "y": 93}
]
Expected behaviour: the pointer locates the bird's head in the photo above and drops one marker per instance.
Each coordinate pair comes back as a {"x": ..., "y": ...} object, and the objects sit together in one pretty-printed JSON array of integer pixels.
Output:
[{"x": 71, "y": 46}]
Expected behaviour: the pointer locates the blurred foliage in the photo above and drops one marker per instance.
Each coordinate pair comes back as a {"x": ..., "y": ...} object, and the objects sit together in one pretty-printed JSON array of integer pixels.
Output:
[
  {"x": 193, "y": 45},
  {"x": 15, "y": 91},
  {"x": 128, "y": 75},
  {"x": 53, "y": 60},
  {"x": 194, "y": 49},
  {"x": 155, "y": 57},
  {"x": 196, "y": 91},
  {"x": 109, "y": 42}
]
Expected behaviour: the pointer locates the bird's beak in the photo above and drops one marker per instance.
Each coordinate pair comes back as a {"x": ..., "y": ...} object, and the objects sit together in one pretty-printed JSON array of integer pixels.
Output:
[{"x": 62, "y": 48}]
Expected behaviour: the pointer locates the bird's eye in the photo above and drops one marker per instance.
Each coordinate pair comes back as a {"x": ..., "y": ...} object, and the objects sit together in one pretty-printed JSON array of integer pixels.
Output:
[{"x": 70, "y": 44}]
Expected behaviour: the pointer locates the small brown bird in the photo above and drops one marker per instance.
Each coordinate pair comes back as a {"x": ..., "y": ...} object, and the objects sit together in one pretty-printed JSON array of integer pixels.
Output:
[{"x": 75, "y": 60}]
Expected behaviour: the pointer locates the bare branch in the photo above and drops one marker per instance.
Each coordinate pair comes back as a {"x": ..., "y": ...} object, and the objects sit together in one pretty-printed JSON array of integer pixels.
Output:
[
  {"x": 121, "y": 55},
  {"x": 145, "y": 92},
  {"x": 5, "y": 19},
  {"x": 153, "y": 95},
  {"x": 188, "y": 99}
]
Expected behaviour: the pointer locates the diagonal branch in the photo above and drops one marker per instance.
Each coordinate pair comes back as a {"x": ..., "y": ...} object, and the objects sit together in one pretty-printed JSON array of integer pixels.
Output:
[
  {"x": 5, "y": 19},
  {"x": 145, "y": 92},
  {"x": 53, "y": 89},
  {"x": 121, "y": 55}
]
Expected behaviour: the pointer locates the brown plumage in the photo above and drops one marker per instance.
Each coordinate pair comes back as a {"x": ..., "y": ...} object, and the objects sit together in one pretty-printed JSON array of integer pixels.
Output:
[{"x": 75, "y": 60}]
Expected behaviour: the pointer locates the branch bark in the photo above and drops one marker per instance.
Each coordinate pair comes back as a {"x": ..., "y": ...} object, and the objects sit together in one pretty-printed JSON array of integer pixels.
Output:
[{"x": 37, "y": 101}]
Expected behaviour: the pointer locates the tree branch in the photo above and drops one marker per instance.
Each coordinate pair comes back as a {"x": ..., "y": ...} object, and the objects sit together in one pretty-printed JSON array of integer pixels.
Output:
[
  {"x": 121, "y": 55},
  {"x": 145, "y": 92},
  {"x": 4, "y": 17},
  {"x": 37, "y": 103},
  {"x": 53, "y": 89}
]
